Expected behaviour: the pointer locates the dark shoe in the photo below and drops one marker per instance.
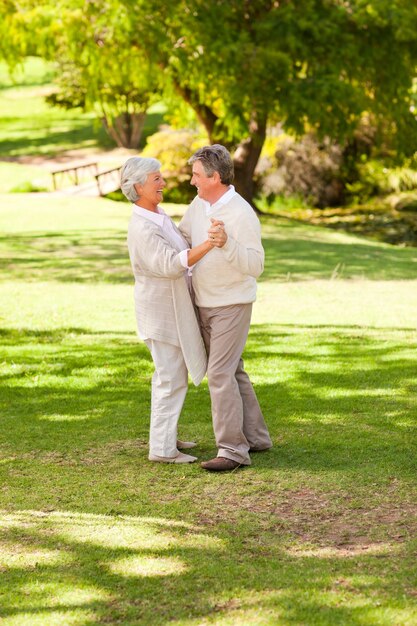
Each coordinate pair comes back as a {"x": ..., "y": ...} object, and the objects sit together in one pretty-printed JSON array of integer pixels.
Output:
[
  {"x": 259, "y": 449},
  {"x": 220, "y": 464}
]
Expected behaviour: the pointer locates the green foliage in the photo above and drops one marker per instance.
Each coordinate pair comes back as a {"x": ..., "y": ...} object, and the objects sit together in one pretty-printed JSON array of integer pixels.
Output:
[
  {"x": 273, "y": 204},
  {"x": 116, "y": 196},
  {"x": 98, "y": 66},
  {"x": 101, "y": 70},
  {"x": 402, "y": 179},
  {"x": 324, "y": 63},
  {"x": 42, "y": 129},
  {"x": 312, "y": 65},
  {"x": 31, "y": 72},
  {"x": 371, "y": 180},
  {"x": 374, "y": 179},
  {"x": 173, "y": 149},
  {"x": 28, "y": 187},
  {"x": 324, "y": 173}
]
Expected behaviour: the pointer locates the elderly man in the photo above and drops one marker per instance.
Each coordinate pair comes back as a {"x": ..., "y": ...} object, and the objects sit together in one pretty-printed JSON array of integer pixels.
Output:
[{"x": 225, "y": 288}]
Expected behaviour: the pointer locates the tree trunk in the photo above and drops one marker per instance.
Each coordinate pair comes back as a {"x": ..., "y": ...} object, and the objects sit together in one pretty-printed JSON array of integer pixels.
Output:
[
  {"x": 126, "y": 129},
  {"x": 137, "y": 128},
  {"x": 248, "y": 151},
  {"x": 246, "y": 158}
]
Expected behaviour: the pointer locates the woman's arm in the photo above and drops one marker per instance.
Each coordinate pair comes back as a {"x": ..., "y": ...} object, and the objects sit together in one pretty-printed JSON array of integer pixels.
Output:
[{"x": 197, "y": 253}]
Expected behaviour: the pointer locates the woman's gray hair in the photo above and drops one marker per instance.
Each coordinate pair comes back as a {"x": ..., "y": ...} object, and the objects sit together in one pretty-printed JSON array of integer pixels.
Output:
[
  {"x": 215, "y": 158},
  {"x": 135, "y": 172}
]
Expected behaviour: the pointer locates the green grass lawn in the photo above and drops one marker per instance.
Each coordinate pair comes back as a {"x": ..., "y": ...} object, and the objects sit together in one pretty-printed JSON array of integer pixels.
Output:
[
  {"x": 321, "y": 530},
  {"x": 28, "y": 126}
]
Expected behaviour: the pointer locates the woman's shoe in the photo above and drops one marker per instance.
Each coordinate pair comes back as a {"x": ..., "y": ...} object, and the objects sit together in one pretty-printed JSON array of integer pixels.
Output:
[
  {"x": 180, "y": 458},
  {"x": 185, "y": 445}
]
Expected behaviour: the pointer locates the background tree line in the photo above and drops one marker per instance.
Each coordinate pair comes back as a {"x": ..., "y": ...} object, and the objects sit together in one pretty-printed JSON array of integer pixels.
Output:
[{"x": 324, "y": 68}]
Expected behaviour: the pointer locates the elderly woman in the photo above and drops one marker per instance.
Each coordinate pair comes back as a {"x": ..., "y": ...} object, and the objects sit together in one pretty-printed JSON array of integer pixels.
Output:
[{"x": 165, "y": 314}]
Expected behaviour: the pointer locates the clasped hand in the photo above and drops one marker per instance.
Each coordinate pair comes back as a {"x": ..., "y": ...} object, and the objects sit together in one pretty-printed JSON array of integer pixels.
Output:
[{"x": 216, "y": 234}]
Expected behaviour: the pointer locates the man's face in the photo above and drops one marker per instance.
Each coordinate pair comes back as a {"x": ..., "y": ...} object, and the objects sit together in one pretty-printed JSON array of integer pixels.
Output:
[{"x": 205, "y": 184}]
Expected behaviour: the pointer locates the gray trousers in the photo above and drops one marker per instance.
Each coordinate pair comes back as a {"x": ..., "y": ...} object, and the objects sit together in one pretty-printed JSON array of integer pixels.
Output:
[{"x": 238, "y": 422}]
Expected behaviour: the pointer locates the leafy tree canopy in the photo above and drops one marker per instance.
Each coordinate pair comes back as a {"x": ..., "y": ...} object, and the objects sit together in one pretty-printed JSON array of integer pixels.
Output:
[{"x": 241, "y": 64}]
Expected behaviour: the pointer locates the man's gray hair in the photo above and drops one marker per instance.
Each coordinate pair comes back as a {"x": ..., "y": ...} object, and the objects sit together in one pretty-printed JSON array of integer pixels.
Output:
[
  {"x": 215, "y": 158},
  {"x": 135, "y": 172}
]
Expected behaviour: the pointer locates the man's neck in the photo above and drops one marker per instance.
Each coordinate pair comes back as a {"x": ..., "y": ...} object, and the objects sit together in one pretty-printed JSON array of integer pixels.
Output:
[{"x": 217, "y": 194}]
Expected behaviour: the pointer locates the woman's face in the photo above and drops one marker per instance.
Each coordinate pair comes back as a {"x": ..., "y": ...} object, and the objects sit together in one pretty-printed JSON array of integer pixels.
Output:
[{"x": 151, "y": 192}]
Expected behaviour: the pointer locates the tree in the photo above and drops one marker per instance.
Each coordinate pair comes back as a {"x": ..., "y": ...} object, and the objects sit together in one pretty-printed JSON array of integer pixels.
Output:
[
  {"x": 243, "y": 64},
  {"x": 107, "y": 67},
  {"x": 309, "y": 64},
  {"x": 99, "y": 67},
  {"x": 107, "y": 84}
]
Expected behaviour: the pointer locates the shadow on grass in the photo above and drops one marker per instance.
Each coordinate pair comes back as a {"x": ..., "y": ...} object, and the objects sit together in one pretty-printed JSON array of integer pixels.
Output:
[
  {"x": 297, "y": 259},
  {"x": 347, "y": 389},
  {"x": 84, "y": 256},
  {"x": 95, "y": 534},
  {"x": 69, "y": 257},
  {"x": 43, "y": 137},
  {"x": 64, "y": 381},
  {"x": 127, "y": 569},
  {"x": 47, "y": 139}
]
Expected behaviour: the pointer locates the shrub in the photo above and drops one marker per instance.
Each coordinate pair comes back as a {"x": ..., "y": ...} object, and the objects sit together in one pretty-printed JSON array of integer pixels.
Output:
[
  {"x": 373, "y": 179},
  {"x": 307, "y": 169},
  {"x": 28, "y": 187},
  {"x": 402, "y": 179},
  {"x": 117, "y": 196},
  {"x": 327, "y": 174},
  {"x": 275, "y": 204}
]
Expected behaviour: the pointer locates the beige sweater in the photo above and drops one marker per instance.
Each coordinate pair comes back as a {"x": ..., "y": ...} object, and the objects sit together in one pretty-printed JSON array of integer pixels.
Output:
[{"x": 227, "y": 275}]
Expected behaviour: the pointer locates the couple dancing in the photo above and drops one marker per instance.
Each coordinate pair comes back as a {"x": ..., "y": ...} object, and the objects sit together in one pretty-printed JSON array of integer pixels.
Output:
[{"x": 218, "y": 241}]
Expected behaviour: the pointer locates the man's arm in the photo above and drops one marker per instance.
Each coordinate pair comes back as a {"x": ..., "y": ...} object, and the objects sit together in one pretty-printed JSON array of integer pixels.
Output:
[{"x": 246, "y": 253}]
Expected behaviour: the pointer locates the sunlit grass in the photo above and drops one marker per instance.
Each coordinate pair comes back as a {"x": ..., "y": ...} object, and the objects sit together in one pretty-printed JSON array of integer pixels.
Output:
[
  {"x": 15, "y": 176},
  {"x": 320, "y": 530},
  {"x": 48, "y": 130},
  {"x": 38, "y": 128}
]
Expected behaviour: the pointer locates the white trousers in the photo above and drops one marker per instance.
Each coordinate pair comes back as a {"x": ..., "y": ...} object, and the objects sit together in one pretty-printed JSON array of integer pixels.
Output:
[{"x": 169, "y": 388}]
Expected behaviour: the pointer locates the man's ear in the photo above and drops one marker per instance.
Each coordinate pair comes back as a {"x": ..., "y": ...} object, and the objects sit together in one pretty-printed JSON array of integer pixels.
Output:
[{"x": 216, "y": 177}]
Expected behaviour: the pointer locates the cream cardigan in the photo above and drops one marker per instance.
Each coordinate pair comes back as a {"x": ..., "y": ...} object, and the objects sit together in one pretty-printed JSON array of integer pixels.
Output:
[{"x": 163, "y": 306}]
